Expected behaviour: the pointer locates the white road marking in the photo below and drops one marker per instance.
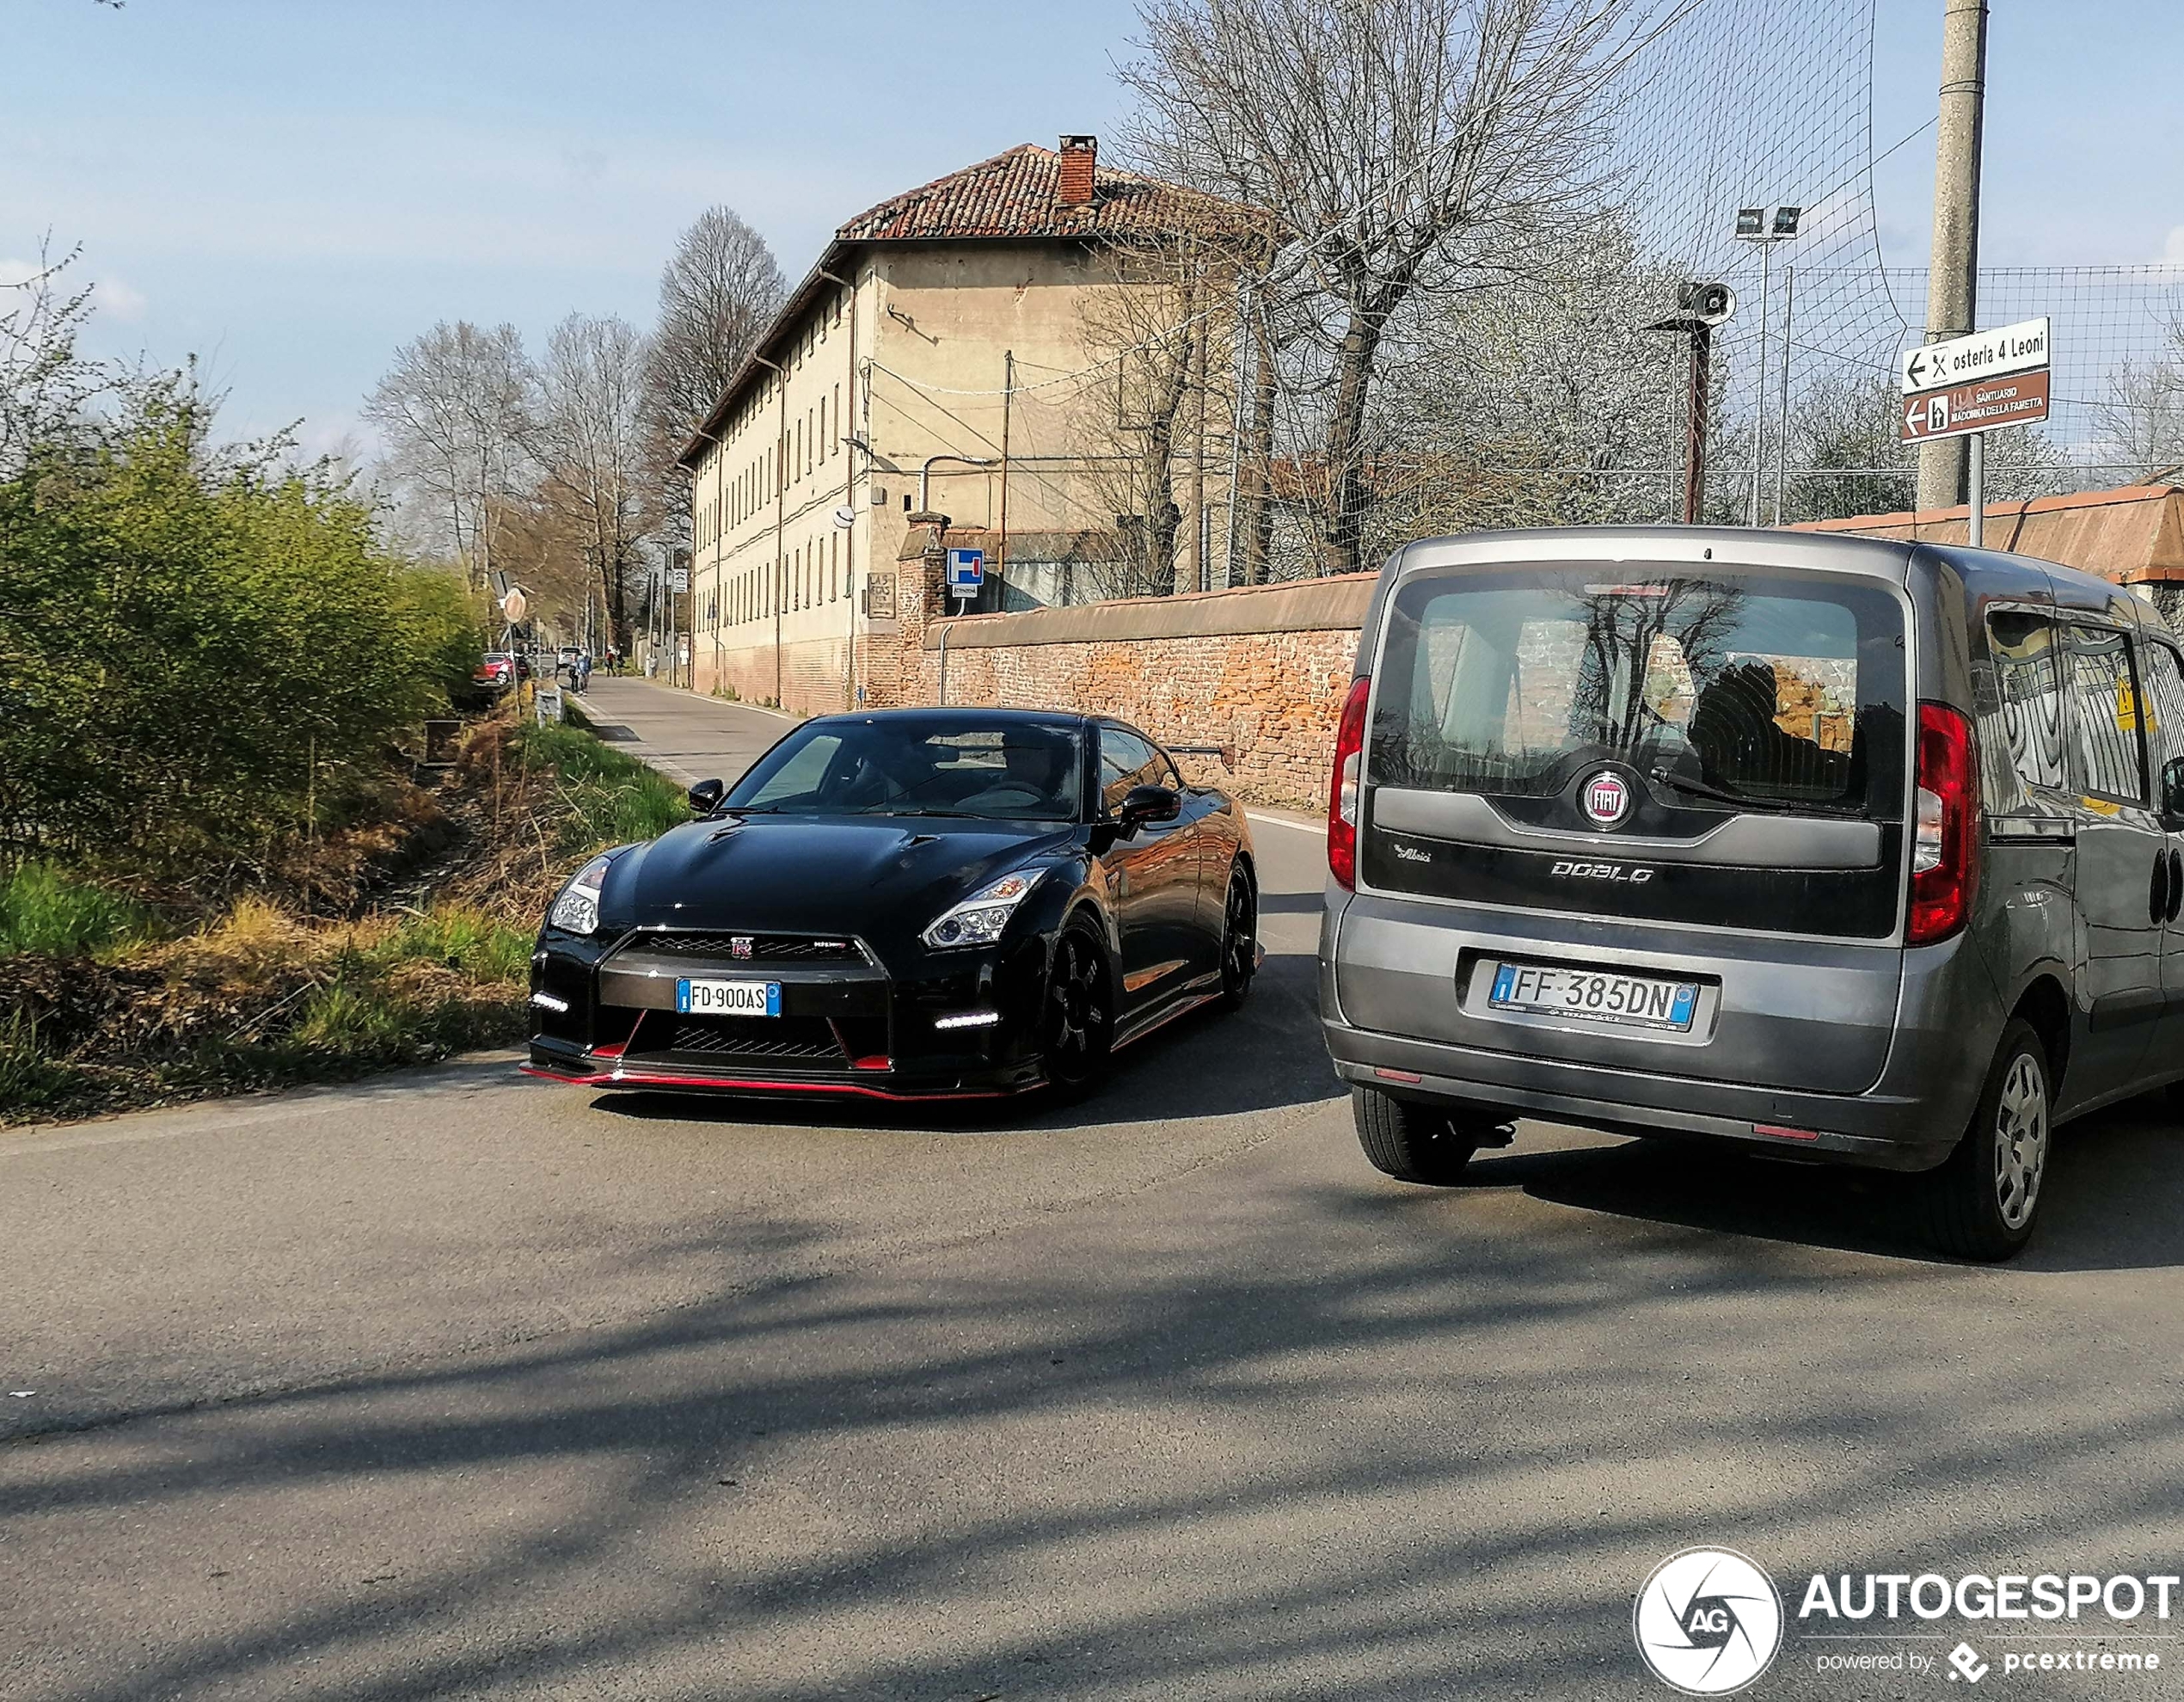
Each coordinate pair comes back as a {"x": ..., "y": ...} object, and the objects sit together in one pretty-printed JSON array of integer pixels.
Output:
[{"x": 1317, "y": 829}]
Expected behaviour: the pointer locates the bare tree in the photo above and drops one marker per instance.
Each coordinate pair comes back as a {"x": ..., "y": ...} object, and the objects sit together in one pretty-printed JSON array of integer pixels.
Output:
[
  {"x": 1157, "y": 415},
  {"x": 453, "y": 413},
  {"x": 1402, "y": 148},
  {"x": 718, "y": 292},
  {"x": 1847, "y": 456},
  {"x": 589, "y": 436},
  {"x": 1519, "y": 405},
  {"x": 48, "y": 390},
  {"x": 2141, "y": 419}
]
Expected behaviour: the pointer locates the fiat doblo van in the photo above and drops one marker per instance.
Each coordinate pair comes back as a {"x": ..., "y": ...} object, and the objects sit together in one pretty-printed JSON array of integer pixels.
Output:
[{"x": 1830, "y": 847}]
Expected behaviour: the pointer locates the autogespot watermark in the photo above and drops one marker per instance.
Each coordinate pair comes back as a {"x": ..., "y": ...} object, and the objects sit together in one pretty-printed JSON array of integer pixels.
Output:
[{"x": 1708, "y": 1622}]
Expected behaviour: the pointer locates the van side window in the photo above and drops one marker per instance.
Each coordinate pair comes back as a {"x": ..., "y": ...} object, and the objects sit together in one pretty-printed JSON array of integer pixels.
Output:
[
  {"x": 2105, "y": 718},
  {"x": 2021, "y": 736},
  {"x": 2164, "y": 702}
]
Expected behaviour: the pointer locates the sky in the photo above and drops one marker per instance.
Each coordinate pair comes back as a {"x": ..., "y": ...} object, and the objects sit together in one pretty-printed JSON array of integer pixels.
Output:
[{"x": 290, "y": 189}]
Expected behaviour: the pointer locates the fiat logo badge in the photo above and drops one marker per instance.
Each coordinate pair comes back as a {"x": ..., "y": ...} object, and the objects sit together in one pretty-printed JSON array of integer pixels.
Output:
[{"x": 1606, "y": 799}]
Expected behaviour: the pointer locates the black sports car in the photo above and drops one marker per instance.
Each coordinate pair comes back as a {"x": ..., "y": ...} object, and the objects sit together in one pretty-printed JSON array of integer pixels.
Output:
[{"x": 907, "y": 904}]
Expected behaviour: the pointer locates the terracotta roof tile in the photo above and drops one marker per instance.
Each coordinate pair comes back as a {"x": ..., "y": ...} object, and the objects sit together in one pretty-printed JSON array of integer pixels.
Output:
[{"x": 1013, "y": 195}]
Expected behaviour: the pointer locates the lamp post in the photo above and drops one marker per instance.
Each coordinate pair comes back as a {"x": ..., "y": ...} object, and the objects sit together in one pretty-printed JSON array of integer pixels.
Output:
[
  {"x": 1754, "y": 226},
  {"x": 1699, "y": 309}
]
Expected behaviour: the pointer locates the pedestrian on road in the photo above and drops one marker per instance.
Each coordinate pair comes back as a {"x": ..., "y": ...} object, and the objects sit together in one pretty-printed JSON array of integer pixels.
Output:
[{"x": 583, "y": 669}]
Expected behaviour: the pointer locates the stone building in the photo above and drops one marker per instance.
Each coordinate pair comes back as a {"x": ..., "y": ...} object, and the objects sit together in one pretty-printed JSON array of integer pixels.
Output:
[{"x": 953, "y": 353}]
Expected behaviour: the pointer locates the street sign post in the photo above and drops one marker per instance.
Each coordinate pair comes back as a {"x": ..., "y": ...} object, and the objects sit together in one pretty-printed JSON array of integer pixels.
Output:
[
  {"x": 2022, "y": 347},
  {"x": 679, "y": 580},
  {"x": 1978, "y": 406},
  {"x": 966, "y": 573},
  {"x": 1968, "y": 386}
]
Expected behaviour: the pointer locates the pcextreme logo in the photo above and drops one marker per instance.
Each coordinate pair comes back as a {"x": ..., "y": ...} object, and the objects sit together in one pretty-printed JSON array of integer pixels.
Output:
[{"x": 1709, "y": 1621}]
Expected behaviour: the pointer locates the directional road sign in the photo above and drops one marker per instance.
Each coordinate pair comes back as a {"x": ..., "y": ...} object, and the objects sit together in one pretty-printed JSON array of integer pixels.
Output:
[
  {"x": 1978, "y": 406},
  {"x": 966, "y": 572},
  {"x": 2022, "y": 347}
]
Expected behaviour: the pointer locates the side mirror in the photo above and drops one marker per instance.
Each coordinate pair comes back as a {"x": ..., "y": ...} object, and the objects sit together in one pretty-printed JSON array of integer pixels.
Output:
[
  {"x": 2172, "y": 788},
  {"x": 1141, "y": 804},
  {"x": 706, "y": 796}
]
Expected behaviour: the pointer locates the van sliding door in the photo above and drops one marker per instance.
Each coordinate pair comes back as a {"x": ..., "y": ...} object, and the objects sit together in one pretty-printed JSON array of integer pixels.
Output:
[
  {"x": 2120, "y": 849},
  {"x": 2164, "y": 674}
]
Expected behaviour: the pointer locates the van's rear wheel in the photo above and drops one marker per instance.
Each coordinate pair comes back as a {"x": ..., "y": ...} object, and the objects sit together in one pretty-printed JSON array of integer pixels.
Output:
[
  {"x": 1411, "y": 1143},
  {"x": 1980, "y": 1204}
]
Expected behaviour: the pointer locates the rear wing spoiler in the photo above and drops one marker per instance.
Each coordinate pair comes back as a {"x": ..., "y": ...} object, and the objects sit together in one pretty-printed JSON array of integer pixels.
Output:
[{"x": 1226, "y": 753}]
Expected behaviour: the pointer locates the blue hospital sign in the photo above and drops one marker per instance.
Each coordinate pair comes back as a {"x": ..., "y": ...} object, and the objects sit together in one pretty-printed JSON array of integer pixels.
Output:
[{"x": 966, "y": 572}]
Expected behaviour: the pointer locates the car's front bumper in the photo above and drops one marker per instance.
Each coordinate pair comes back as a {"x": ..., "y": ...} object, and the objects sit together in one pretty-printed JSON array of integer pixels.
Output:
[{"x": 604, "y": 1016}]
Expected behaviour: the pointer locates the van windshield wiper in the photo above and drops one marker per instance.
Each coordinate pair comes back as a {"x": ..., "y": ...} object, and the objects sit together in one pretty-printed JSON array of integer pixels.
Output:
[{"x": 1699, "y": 788}]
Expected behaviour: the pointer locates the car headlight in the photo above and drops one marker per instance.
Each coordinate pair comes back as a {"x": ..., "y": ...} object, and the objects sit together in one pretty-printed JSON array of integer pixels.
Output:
[
  {"x": 577, "y": 910},
  {"x": 980, "y": 918}
]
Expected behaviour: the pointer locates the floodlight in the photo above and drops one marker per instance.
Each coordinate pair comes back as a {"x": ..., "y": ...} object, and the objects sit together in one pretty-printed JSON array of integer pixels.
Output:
[
  {"x": 1786, "y": 220},
  {"x": 1752, "y": 221}
]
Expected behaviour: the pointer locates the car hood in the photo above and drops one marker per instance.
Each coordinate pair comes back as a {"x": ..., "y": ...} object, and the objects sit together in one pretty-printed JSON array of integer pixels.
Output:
[{"x": 881, "y": 876}]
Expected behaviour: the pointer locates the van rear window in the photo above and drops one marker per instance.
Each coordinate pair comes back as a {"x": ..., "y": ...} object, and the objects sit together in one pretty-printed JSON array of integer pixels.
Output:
[{"x": 1785, "y": 690}]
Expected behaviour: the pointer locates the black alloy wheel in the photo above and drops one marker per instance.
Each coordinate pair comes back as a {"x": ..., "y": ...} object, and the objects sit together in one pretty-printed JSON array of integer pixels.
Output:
[
  {"x": 1239, "y": 939},
  {"x": 1077, "y": 1028}
]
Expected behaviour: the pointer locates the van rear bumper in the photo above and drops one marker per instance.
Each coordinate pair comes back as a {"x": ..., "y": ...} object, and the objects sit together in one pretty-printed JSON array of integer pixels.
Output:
[{"x": 1879, "y": 1129}]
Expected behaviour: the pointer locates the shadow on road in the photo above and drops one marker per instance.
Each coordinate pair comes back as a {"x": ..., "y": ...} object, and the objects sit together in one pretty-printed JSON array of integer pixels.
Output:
[
  {"x": 1220, "y": 1456},
  {"x": 1209, "y": 1063},
  {"x": 2114, "y": 1193}
]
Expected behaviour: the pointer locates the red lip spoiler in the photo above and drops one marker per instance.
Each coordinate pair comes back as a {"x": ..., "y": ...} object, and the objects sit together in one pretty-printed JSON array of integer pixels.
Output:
[{"x": 626, "y": 1077}]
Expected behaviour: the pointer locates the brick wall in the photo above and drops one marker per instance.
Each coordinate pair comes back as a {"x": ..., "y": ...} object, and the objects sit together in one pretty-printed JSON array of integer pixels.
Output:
[{"x": 1263, "y": 669}]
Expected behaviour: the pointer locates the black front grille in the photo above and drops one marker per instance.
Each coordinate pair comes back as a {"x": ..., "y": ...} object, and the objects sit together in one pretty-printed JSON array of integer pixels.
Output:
[
  {"x": 773, "y": 1040},
  {"x": 757, "y": 949}
]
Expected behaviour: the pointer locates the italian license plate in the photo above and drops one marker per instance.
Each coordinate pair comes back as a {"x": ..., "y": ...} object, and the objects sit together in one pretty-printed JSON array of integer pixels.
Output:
[
  {"x": 728, "y": 999},
  {"x": 1595, "y": 996}
]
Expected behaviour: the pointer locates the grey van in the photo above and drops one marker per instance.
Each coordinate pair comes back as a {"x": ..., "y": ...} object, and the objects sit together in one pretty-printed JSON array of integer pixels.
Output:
[{"x": 1835, "y": 848}]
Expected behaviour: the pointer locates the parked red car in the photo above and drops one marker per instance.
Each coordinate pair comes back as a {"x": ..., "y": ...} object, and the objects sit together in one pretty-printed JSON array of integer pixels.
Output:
[{"x": 497, "y": 670}]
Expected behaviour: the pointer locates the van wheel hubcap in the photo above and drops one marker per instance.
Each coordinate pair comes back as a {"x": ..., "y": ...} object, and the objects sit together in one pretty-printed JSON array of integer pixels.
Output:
[{"x": 2020, "y": 1140}]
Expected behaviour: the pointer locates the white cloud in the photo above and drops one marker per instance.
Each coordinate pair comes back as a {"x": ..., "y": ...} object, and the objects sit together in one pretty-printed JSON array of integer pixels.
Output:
[
  {"x": 2172, "y": 249},
  {"x": 115, "y": 297}
]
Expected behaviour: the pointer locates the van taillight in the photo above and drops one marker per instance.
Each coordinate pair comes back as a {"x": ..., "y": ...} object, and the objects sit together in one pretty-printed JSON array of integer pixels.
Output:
[
  {"x": 1945, "y": 839},
  {"x": 1343, "y": 789}
]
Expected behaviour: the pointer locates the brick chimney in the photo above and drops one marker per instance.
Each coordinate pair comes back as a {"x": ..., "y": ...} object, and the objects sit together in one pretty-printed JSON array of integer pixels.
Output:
[{"x": 1073, "y": 183}]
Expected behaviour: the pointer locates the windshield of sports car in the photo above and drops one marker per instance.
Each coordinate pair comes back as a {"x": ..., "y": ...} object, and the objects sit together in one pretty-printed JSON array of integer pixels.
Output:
[{"x": 930, "y": 763}]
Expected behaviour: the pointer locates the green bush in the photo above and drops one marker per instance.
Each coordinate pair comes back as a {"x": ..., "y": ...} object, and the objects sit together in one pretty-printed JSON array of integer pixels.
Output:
[
  {"x": 41, "y": 910},
  {"x": 613, "y": 799},
  {"x": 456, "y": 937},
  {"x": 200, "y": 650}
]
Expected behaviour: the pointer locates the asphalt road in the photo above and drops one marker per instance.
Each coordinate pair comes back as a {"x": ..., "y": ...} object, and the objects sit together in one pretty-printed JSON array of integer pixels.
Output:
[{"x": 456, "y": 1384}]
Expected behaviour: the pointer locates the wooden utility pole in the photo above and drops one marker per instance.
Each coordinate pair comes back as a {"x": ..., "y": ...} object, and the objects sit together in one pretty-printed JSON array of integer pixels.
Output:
[{"x": 1952, "y": 285}]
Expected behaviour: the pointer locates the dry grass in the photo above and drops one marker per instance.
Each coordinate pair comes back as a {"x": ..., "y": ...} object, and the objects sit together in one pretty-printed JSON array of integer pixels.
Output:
[{"x": 267, "y": 993}]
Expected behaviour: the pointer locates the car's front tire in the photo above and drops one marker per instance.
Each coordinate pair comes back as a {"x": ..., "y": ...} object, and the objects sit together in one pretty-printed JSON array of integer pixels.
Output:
[
  {"x": 1239, "y": 938},
  {"x": 1980, "y": 1204},
  {"x": 1410, "y": 1142},
  {"x": 1076, "y": 1016}
]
